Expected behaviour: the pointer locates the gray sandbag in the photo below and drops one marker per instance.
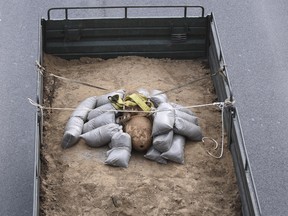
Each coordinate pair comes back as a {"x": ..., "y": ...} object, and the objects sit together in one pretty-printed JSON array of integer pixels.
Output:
[
  {"x": 188, "y": 117},
  {"x": 153, "y": 154},
  {"x": 100, "y": 110},
  {"x": 163, "y": 142},
  {"x": 72, "y": 132},
  {"x": 103, "y": 119},
  {"x": 176, "y": 152},
  {"x": 143, "y": 92},
  {"x": 163, "y": 119},
  {"x": 118, "y": 156},
  {"x": 187, "y": 129},
  {"x": 84, "y": 108},
  {"x": 103, "y": 99},
  {"x": 121, "y": 139},
  {"x": 101, "y": 135},
  {"x": 157, "y": 98},
  {"x": 183, "y": 109}
]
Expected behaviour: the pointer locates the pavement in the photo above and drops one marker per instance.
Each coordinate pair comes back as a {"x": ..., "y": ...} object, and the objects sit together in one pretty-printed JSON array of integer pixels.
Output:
[{"x": 254, "y": 39}]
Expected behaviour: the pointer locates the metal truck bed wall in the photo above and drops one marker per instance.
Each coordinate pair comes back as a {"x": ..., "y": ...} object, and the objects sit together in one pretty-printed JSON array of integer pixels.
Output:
[
  {"x": 108, "y": 38},
  {"x": 176, "y": 38}
]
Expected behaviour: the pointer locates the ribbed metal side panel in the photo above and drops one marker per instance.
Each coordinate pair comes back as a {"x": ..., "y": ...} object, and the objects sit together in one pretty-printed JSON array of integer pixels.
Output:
[
  {"x": 151, "y": 37},
  {"x": 221, "y": 83}
]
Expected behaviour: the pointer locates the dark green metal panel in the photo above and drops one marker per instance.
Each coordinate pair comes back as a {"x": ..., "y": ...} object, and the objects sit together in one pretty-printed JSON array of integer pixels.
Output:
[
  {"x": 126, "y": 46},
  {"x": 174, "y": 54},
  {"x": 127, "y": 32},
  {"x": 157, "y": 37},
  {"x": 124, "y": 23}
]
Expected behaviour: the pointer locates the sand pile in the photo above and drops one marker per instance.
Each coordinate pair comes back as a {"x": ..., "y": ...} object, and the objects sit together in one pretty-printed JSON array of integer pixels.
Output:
[{"x": 75, "y": 181}]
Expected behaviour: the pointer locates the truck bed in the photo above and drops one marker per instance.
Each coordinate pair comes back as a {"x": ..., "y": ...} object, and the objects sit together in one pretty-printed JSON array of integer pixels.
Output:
[
  {"x": 75, "y": 181},
  {"x": 163, "y": 39}
]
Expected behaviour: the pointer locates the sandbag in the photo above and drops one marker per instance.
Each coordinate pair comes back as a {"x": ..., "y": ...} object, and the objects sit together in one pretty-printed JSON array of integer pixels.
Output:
[
  {"x": 163, "y": 119},
  {"x": 163, "y": 142},
  {"x": 139, "y": 128},
  {"x": 183, "y": 109},
  {"x": 157, "y": 98},
  {"x": 100, "y": 110},
  {"x": 176, "y": 152},
  {"x": 187, "y": 129},
  {"x": 101, "y": 135},
  {"x": 119, "y": 157},
  {"x": 103, "y": 119},
  {"x": 103, "y": 99},
  {"x": 153, "y": 154},
  {"x": 188, "y": 117},
  {"x": 84, "y": 108},
  {"x": 72, "y": 132},
  {"x": 143, "y": 92},
  {"x": 121, "y": 139}
]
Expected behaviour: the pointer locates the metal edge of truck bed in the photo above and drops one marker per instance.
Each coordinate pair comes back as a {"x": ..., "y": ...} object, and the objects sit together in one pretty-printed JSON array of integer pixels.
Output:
[
  {"x": 247, "y": 189},
  {"x": 38, "y": 130},
  {"x": 219, "y": 75}
]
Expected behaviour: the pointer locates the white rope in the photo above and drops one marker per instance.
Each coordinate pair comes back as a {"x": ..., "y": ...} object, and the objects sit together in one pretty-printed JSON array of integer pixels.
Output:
[
  {"x": 39, "y": 67},
  {"x": 201, "y": 105},
  {"x": 130, "y": 111},
  {"x": 52, "y": 108},
  {"x": 221, "y": 105},
  {"x": 222, "y": 136},
  {"x": 72, "y": 109},
  {"x": 213, "y": 140},
  {"x": 41, "y": 70}
]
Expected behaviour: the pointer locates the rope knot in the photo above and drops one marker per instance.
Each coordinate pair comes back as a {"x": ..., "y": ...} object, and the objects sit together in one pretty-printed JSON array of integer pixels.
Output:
[{"x": 229, "y": 103}]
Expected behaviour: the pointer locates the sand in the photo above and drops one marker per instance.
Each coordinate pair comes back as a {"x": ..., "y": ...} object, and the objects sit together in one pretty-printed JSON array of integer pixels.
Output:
[{"x": 75, "y": 181}]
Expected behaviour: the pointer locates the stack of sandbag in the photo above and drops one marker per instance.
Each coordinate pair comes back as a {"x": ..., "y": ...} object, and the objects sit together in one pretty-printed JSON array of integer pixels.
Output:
[
  {"x": 76, "y": 121},
  {"x": 94, "y": 120},
  {"x": 158, "y": 97},
  {"x": 94, "y": 109},
  {"x": 186, "y": 123},
  {"x": 172, "y": 124},
  {"x": 101, "y": 124},
  {"x": 176, "y": 151},
  {"x": 101, "y": 136},
  {"x": 144, "y": 92},
  {"x": 153, "y": 154},
  {"x": 120, "y": 152}
]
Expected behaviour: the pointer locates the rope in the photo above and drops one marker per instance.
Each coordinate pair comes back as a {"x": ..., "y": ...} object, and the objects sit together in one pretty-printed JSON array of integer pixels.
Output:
[
  {"x": 222, "y": 106},
  {"x": 180, "y": 86},
  {"x": 72, "y": 108},
  {"x": 49, "y": 108},
  {"x": 201, "y": 105},
  {"x": 130, "y": 111},
  {"x": 41, "y": 69},
  {"x": 213, "y": 140}
]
